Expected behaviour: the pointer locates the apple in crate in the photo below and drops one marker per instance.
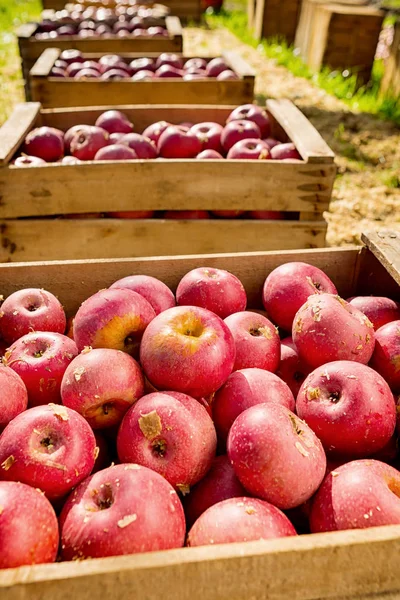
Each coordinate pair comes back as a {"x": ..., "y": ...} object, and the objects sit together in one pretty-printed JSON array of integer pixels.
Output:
[
  {"x": 216, "y": 66},
  {"x": 152, "y": 289},
  {"x": 188, "y": 214},
  {"x": 130, "y": 214},
  {"x": 386, "y": 356},
  {"x": 249, "y": 149},
  {"x": 227, "y": 75},
  {"x": 114, "y": 121},
  {"x": 46, "y": 143},
  {"x": 378, "y": 309},
  {"x": 243, "y": 389},
  {"x": 209, "y": 135},
  {"x": 85, "y": 143},
  {"x": 228, "y": 214},
  {"x": 285, "y": 152},
  {"x": 356, "y": 495},
  {"x": 209, "y": 154},
  {"x": 252, "y": 112},
  {"x": 48, "y": 447},
  {"x": 124, "y": 509},
  {"x": 327, "y": 328},
  {"x": 195, "y": 63},
  {"x": 256, "y": 340},
  {"x": 240, "y": 519},
  {"x": 13, "y": 398},
  {"x": 235, "y": 131},
  {"x": 40, "y": 359},
  {"x": 29, "y": 310},
  {"x": 275, "y": 455},
  {"x": 292, "y": 369},
  {"x": 154, "y": 131},
  {"x": 350, "y": 408},
  {"x": 215, "y": 289},
  {"x": 28, "y": 526},
  {"x": 70, "y": 56},
  {"x": 187, "y": 349},
  {"x": 101, "y": 399},
  {"x": 71, "y": 132},
  {"x": 28, "y": 161},
  {"x": 142, "y": 64},
  {"x": 116, "y": 152},
  {"x": 270, "y": 215},
  {"x": 168, "y": 72},
  {"x": 143, "y": 147},
  {"x": 144, "y": 75},
  {"x": 115, "y": 74},
  {"x": 170, "y": 433},
  {"x": 176, "y": 142},
  {"x": 167, "y": 58},
  {"x": 113, "y": 318},
  {"x": 287, "y": 288}
]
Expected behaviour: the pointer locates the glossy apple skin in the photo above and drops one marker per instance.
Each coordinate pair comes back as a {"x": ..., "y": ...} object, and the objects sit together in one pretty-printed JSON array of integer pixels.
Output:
[
  {"x": 228, "y": 214},
  {"x": 170, "y": 433},
  {"x": 144, "y": 148},
  {"x": 357, "y": 495},
  {"x": 70, "y": 56},
  {"x": 102, "y": 385},
  {"x": 40, "y": 359},
  {"x": 378, "y": 309},
  {"x": 130, "y": 214},
  {"x": 144, "y": 75},
  {"x": 187, "y": 349},
  {"x": 28, "y": 526},
  {"x": 275, "y": 455},
  {"x": 271, "y": 215},
  {"x": 350, "y": 408},
  {"x": 187, "y": 214},
  {"x": 252, "y": 112},
  {"x": 216, "y": 66},
  {"x": 386, "y": 356},
  {"x": 249, "y": 149},
  {"x": 167, "y": 58},
  {"x": 227, "y": 76},
  {"x": 240, "y": 519},
  {"x": 154, "y": 131},
  {"x": 116, "y": 152},
  {"x": 142, "y": 64},
  {"x": 113, "y": 318},
  {"x": 71, "y": 132},
  {"x": 243, "y": 389},
  {"x": 220, "y": 483},
  {"x": 168, "y": 72},
  {"x": 215, "y": 289},
  {"x": 256, "y": 339},
  {"x": 235, "y": 131},
  {"x": 49, "y": 447},
  {"x": 85, "y": 144},
  {"x": 152, "y": 289},
  {"x": 285, "y": 152},
  {"x": 327, "y": 328},
  {"x": 29, "y": 310},
  {"x": 46, "y": 143},
  {"x": 292, "y": 369},
  {"x": 195, "y": 63},
  {"x": 28, "y": 161},
  {"x": 209, "y": 154},
  {"x": 103, "y": 524},
  {"x": 114, "y": 121},
  {"x": 287, "y": 288},
  {"x": 14, "y": 396},
  {"x": 176, "y": 142},
  {"x": 209, "y": 135}
]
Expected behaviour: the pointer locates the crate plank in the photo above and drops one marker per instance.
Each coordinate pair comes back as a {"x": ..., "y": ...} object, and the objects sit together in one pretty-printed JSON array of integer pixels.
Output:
[
  {"x": 276, "y": 19},
  {"x": 22, "y": 120},
  {"x": 385, "y": 246},
  {"x": 391, "y": 77}
]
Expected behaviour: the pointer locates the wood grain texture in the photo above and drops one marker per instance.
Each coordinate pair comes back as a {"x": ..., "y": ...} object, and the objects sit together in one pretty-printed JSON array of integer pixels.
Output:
[
  {"x": 391, "y": 77},
  {"x": 22, "y": 120},
  {"x": 385, "y": 246},
  {"x": 274, "y": 18},
  {"x": 45, "y": 63}
]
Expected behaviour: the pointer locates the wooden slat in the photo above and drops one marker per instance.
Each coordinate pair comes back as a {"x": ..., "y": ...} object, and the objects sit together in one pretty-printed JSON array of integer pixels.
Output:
[
  {"x": 391, "y": 78},
  {"x": 173, "y": 26},
  {"x": 45, "y": 63},
  {"x": 385, "y": 245},
  {"x": 26, "y": 30},
  {"x": 238, "y": 64},
  {"x": 14, "y": 130}
]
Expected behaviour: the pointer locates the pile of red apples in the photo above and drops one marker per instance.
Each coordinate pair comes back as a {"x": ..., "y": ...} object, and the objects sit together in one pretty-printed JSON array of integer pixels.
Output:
[
  {"x": 155, "y": 419},
  {"x": 72, "y": 64}
]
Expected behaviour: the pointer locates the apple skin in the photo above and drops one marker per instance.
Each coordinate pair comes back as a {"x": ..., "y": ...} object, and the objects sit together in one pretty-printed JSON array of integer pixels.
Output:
[
  {"x": 227, "y": 75},
  {"x": 287, "y": 288},
  {"x": 209, "y": 135},
  {"x": 167, "y": 58},
  {"x": 116, "y": 152},
  {"x": 220, "y": 483},
  {"x": 85, "y": 144},
  {"x": 142, "y": 64},
  {"x": 49, "y": 447},
  {"x": 285, "y": 152},
  {"x": 216, "y": 66},
  {"x": 101, "y": 385},
  {"x": 124, "y": 509},
  {"x": 28, "y": 526},
  {"x": 170, "y": 433},
  {"x": 144, "y": 148},
  {"x": 14, "y": 396},
  {"x": 350, "y": 408},
  {"x": 235, "y": 131},
  {"x": 168, "y": 72},
  {"x": 249, "y": 149},
  {"x": 195, "y": 63},
  {"x": 130, "y": 214},
  {"x": 209, "y": 154},
  {"x": 327, "y": 328},
  {"x": 28, "y": 161},
  {"x": 243, "y": 389},
  {"x": 386, "y": 356},
  {"x": 187, "y": 349},
  {"x": 46, "y": 143},
  {"x": 153, "y": 290},
  {"x": 187, "y": 214},
  {"x": 143, "y": 75},
  {"x": 256, "y": 339},
  {"x": 40, "y": 359},
  {"x": 228, "y": 214},
  {"x": 292, "y": 369},
  {"x": 176, "y": 142},
  {"x": 154, "y": 131},
  {"x": 114, "y": 121},
  {"x": 270, "y": 215},
  {"x": 217, "y": 290},
  {"x": 70, "y": 56},
  {"x": 252, "y": 112},
  {"x": 275, "y": 455},
  {"x": 357, "y": 495},
  {"x": 378, "y": 309},
  {"x": 240, "y": 519},
  {"x": 71, "y": 132},
  {"x": 113, "y": 318},
  {"x": 113, "y": 74}
]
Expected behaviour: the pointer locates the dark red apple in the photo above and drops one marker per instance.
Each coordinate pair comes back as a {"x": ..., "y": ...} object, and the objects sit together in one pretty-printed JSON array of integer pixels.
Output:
[
  {"x": 46, "y": 143},
  {"x": 116, "y": 152},
  {"x": 250, "y": 149},
  {"x": 175, "y": 142},
  {"x": 252, "y": 112},
  {"x": 143, "y": 147},
  {"x": 235, "y": 131}
]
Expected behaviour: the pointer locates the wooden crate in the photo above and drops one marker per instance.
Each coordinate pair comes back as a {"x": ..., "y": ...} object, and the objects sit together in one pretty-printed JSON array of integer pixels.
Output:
[
  {"x": 54, "y": 92},
  {"x": 339, "y": 35},
  {"x": 391, "y": 77},
  {"x": 30, "y": 48},
  {"x": 356, "y": 564},
  {"x": 299, "y": 187},
  {"x": 275, "y": 18}
]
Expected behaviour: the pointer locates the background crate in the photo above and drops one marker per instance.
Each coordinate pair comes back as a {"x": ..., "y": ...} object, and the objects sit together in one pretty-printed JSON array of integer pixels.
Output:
[
  {"x": 391, "y": 77},
  {"x": 30, "y": 48},
  {"x": 303, "y": 187},
  {"x": 274, "y": 18},
  {"x": 56, "y": 92},
  {"x": 355, "y": 565}
]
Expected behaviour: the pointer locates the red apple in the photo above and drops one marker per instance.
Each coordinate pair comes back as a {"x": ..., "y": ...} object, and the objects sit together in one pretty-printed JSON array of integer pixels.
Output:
[
  {"x": 216, "y": 66},
  {"x": 168, "y": 72},
  {"x": 252, "y": 112},
  {"x": 378, "y": 309},
  {"x": 243, "y": 389},
  {"x": 74, "y": 68},
  {"x": 70, "y": 134},
  {"x": 113, "y": 318},
  {"x": 48, "y": 447},
  {"x": 209, "y": 154},
  {"x": 131, "y": 214},
  {"x": 186, "y": 214},
  {"x": 209, "y": 135},
  {"x": 124, "y": 509},
  {"x": 114, "y": 121},
  {"x": 173, "y": 60},
  {"x": 175, "y": 142},
  {"x": 87, "y": 142},
  {"x": 70, "y": 160},
  {"x": 115, "y": 74},
  {"x": 28, "y": 310},
  {"x": 215, "y": 289},
  {"x": 28, "y": 161},
  {"x": 194, "y": 77},
  {"x": 256, "y": 340},
  {"x": 227, "y": 75},
  {"x": 275, "y": 455},
  {"x": 228, "y": 214},
  {"x": 115, "y": 138},
  {"x": 271, "y": 215},
  {"x": 239, "y": 519},
  {"x": 195, "y": 63},
  {"x": 292, "y": 369},
  {"x": 271, "y": 142},
  {"x": 142, "y": 64},
  {"x": 287, "y": 288},
  {"x": 57, "y": 72},
  {"x": 285, "y": 152},
  {"x": 70, "y": 56},
  {"x": 249, "y": 149},
  {"x": 170, "y": 433},
  {"x": 153, "y": 290},
  {"x": 327, "y": 328},
  {"x": 28, "y": 526},
  {"x": 13, "y": 398},
  {"x": 144, "y": 75},
  {"x": 46, "y": 143},
  {"x": 116, "y": 152},
  {"x": 143, "y": 147},
  {"x": 110, "y": 59},
  {"x": 235, "y": 131},
  {"x": 386, "y": 356},
  {"x": 187, "y": 349},
  {"x": 154, "y": 131}
]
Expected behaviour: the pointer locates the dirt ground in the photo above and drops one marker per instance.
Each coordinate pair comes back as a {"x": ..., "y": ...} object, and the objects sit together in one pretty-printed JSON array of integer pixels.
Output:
[{"x": 367, "y": 190}]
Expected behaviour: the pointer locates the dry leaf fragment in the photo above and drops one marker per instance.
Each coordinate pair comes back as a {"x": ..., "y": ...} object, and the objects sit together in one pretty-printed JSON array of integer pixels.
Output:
[
  {"x": 79, "y": 371},
  {"x": 250, "y": 510},
  {"x": 60, "y": 412},
  {"x": 150, "y": 425},
  {"x": 127, "y": 520},
  {"x": 184, "y": 488},
  {"x": 8, "y": 463},
  {"x": 301, "y": 449}
]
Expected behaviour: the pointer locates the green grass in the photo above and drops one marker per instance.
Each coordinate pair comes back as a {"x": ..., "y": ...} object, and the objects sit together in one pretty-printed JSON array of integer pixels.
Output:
[{"x": 342, "y": 85}]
